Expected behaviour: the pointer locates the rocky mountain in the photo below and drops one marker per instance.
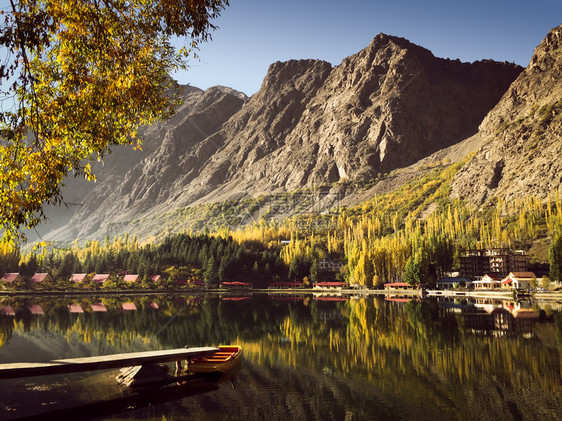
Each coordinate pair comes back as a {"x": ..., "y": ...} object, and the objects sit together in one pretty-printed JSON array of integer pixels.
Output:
[
  {"x": 521, "y": 136},
  {"x": 129, "y": 182},
  {"x": 310, "y": 124}
]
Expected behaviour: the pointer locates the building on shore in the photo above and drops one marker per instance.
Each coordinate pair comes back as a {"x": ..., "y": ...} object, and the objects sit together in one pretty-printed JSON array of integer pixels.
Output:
[
  {"x": 519, "y": 280},
  {"x": 496, "y": 262},
  {"x": 11, "y": 278},
  {"x": 398, "y": 286},
  {"x": 237, "y": 285},
  {"x": 451, "y": 282},
  {"x": 488, "y": 282},
  {"x": 39, "y": 279}
]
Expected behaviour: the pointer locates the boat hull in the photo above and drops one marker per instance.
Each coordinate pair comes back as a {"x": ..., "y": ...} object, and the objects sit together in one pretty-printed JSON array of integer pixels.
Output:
[{"x": 224, "y": 360}]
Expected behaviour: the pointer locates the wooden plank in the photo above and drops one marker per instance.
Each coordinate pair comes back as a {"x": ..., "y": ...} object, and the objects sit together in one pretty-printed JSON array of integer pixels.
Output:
[{"x": 101, "y": 362}]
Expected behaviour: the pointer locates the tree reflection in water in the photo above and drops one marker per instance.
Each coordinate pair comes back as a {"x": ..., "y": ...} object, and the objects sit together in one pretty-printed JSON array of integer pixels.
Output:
[{"x": 460, "y": 359}]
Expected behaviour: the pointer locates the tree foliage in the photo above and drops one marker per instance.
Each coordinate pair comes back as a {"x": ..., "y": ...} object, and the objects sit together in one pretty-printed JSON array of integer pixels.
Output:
[
  {"x": 555, "y": 257},
  {"x": 78, "y": 77}
]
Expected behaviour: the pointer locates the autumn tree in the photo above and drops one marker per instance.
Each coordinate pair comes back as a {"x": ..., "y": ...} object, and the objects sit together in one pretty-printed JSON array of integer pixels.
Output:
[
  {"x": 555, "y": 257},
  {"x": 79, "y": 77},
  {"x": 413, "y": 272}
]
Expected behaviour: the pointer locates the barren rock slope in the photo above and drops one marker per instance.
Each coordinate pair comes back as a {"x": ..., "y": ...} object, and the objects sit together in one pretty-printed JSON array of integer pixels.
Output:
[{"x": 522, "y": 135}]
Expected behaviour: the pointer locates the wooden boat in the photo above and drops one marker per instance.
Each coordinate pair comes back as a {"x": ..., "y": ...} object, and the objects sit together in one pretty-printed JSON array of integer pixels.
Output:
[{"x": 223, "y": 360}]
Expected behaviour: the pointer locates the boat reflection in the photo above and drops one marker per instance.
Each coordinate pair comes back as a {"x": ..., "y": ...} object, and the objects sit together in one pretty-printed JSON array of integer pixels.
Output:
[{"x": 100, "y": 395}]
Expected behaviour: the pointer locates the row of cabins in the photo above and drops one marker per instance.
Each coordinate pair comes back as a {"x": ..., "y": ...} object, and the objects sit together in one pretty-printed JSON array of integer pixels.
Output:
[
  {"x": 77, "y": 278},
  {"x": 40, "y": 278}
]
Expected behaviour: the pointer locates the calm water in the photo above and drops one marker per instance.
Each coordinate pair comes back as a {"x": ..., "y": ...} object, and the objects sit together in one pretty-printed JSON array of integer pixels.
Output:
[{"x": 304, "y": 357}]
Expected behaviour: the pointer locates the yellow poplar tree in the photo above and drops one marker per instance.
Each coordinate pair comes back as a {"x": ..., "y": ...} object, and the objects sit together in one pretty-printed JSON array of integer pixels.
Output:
[{"x": 78, "y": 77}]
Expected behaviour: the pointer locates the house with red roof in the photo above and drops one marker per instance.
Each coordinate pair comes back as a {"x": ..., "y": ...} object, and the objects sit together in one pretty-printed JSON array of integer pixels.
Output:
[
  {"x": 397, "y": 285},
  {"x": 131, "y": 278},
  {"x": 79, "y": 277},
  {"x": 237, "y": 285},
  {"x": 38, "y": 279},
  {"x": 100, "y": 278},
  {"x": 11, "y": 277},
  {"x": 518, "y": 280}
]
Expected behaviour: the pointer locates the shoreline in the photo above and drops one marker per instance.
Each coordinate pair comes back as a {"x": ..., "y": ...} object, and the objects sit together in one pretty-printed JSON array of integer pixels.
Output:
[{"x": 505, "y": 295}]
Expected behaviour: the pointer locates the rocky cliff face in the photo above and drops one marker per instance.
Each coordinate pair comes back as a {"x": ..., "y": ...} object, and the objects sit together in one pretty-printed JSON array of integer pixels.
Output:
[
  {"x": 130, "y": 183},
  {"x": 521, "y": 136},
  {"x": 385, "y": 107}
]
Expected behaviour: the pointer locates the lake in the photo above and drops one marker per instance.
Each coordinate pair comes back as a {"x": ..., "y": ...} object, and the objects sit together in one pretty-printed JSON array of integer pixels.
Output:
[{"x": 305, "y": 357}]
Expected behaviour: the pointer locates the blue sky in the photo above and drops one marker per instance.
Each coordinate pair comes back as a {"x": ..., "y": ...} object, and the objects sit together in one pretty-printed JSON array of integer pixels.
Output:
[{"x": 255, "y": 33}]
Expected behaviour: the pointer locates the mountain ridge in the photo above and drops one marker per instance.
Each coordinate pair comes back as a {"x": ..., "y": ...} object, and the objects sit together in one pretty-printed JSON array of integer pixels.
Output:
[
  {"x": 520, "y": 136},
  {"x": 311, "y": 123}
]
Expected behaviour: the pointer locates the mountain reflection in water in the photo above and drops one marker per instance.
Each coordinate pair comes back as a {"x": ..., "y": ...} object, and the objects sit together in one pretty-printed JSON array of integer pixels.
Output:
[{"x": 305, "y": 357}]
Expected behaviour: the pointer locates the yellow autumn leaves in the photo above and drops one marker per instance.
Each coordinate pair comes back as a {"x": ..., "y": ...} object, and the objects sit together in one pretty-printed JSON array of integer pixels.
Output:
[{"x": 85, "y": 75}]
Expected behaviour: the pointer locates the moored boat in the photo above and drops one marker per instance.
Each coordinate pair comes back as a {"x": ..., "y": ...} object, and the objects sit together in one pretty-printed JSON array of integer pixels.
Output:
[{"x": 223, "y": 360}]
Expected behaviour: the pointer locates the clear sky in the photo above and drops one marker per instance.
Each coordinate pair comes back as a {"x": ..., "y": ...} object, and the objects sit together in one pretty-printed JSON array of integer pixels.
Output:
[{"x": 255, "y": 33}]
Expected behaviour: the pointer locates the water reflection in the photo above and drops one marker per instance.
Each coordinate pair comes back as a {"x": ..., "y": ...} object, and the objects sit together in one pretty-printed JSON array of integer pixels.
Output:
[{"x": 329, "y": 356}]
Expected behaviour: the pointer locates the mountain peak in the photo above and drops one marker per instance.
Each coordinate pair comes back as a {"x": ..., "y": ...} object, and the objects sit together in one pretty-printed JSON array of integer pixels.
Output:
[
  {"x": 548, "y": 51},
  {"x": 310, "y": 124}
]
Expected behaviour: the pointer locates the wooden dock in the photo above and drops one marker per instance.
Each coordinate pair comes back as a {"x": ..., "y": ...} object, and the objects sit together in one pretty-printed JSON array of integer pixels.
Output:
[{"x": 102, "y": 362}]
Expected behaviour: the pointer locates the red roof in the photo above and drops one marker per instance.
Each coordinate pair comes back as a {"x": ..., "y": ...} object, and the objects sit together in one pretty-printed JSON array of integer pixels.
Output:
[
  {"x": 154, "y": 306},
  {"x": 10, "y": 277},
  {"x": 237, "y": 283},
  {"x": 129, "y": 306},
  {"x": 131, "y": 278},
  {"x": 329, "y": 284},
  {"x": 154, "y": 278},
  {"x": 101, "y": 278},
  {"x": 397, "y": 284},
  {"x": 75, "y": 308},
  {"x": 78, "y": 277},
  {"x": 98, "y": 307},
  {"x": 39, "y": 277}
]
